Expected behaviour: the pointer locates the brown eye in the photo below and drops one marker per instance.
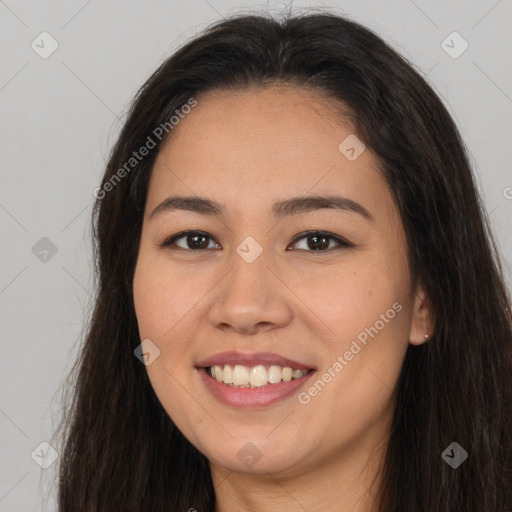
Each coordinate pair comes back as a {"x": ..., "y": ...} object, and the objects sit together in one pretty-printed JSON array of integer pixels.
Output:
[
  {"x": 315, "y": 241},
  {"x": 193, "y": 240},
  {"x": 320, "y": 241}
]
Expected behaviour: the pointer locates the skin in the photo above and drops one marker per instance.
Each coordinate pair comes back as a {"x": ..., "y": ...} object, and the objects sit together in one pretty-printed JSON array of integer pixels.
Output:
[{"x": 247, "y": 150}]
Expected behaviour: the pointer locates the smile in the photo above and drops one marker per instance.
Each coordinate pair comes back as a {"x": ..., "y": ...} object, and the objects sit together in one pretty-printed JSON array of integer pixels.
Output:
[
  {"x": 255, "y": 376},
  {"x": 252, "y": 380}
]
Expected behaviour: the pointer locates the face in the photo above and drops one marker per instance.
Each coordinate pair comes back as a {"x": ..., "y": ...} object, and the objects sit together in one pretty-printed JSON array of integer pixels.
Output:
[{"x": 268, "y": 281}]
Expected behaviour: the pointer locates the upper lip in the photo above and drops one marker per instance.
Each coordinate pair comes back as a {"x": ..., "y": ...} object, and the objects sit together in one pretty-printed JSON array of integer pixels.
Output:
[{"x": 251, "y": 359}]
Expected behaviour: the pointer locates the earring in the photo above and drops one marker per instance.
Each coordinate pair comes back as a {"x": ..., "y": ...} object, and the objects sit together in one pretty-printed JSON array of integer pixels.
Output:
[{"x": 426, "y": 336}]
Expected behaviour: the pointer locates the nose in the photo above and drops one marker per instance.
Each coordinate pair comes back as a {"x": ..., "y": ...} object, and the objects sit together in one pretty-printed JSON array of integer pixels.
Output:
[{"x": 250, "y": 298}]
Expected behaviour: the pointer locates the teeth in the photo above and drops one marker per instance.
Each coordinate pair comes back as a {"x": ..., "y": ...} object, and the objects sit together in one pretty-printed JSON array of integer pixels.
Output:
[
  {"x": 258, "y": 376},
  {"x": 255, "y": 376},
  {"x": 274, "y": 374},
  {"x": 227, "y": 377},
  {"x": 217, "y": 372},
  {"x": 240, "y": 375}
]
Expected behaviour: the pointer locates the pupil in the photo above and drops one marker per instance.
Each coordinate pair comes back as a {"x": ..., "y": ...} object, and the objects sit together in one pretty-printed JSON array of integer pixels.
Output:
[
  {"x": 194, "y": 239},
  {"x": 315, "y": 246}
]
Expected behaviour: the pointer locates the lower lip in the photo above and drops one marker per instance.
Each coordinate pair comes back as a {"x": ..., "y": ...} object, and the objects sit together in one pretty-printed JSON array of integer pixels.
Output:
[{"x": 252, "y": 397}]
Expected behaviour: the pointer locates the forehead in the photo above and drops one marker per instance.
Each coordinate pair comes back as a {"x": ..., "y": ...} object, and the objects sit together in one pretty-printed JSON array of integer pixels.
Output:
[
  {"x": 282, "y": 117},
  {"x": 254, "y": 143}
]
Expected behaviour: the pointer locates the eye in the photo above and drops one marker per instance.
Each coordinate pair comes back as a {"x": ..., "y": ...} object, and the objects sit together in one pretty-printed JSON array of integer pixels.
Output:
[
  {"x": 316, "y": 241},
  {"x": 194, "y": 240},
  {"x": 320, "y": 241}
]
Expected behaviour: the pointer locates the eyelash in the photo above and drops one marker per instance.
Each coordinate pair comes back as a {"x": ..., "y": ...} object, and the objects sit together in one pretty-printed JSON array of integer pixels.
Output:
[{"x": 342, "y": 243}]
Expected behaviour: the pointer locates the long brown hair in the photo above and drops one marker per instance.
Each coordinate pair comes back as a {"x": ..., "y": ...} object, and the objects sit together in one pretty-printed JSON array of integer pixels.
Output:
[{"x": 121, "y": 451}]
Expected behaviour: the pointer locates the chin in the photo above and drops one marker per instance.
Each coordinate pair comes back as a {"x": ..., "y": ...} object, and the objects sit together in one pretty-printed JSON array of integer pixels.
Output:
[{"x": 254, "y": 455}]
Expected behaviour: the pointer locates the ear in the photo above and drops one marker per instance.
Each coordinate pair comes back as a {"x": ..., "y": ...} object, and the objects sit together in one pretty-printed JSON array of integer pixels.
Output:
[{"x": 422, "y": 323}]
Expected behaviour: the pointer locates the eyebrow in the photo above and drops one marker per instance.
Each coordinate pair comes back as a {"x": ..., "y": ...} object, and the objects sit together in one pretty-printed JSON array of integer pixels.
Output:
[{"x": 280, "y": 209}]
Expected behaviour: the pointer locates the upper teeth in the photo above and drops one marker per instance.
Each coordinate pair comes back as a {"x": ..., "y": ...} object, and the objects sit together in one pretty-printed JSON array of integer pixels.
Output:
[{"x": 255, "y": 376}]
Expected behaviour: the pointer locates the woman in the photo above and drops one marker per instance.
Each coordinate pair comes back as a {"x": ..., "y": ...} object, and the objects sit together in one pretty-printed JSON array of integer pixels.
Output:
[{"x": 300, "y": 306}]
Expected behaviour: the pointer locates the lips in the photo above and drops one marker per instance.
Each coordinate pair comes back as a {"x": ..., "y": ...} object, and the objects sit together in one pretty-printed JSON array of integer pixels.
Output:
[
  {"x": 250, "y": 393},
  {"x": 255, "y": 359}
]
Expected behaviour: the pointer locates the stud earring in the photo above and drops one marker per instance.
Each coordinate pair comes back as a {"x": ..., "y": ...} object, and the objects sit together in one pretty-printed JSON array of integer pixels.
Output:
[{"x": 426, "y": 336}]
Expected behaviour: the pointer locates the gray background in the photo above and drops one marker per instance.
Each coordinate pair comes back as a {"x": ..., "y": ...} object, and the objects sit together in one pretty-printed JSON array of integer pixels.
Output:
[{"x": 60, "y": 115}]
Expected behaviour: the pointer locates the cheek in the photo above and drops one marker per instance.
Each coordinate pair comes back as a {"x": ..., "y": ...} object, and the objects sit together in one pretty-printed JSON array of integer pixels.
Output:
[
  {"x": 161, "y": 299},
  {"x": 369, "y": 311},
  {"x": 349, "y": 301},
  {"x": 161, "y": 307}
]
